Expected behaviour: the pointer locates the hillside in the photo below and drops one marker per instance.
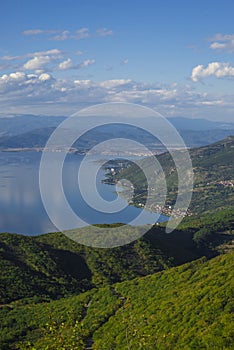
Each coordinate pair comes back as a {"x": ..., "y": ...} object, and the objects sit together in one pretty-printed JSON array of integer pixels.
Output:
[
  {"x": 187, "y": 307},
  {"x": 52, "y": 266},
  {"x": 213, "y": 177}
]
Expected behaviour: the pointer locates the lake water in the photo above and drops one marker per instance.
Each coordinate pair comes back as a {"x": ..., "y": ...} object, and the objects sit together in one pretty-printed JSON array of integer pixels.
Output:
[{"x": 21, "y": 208}]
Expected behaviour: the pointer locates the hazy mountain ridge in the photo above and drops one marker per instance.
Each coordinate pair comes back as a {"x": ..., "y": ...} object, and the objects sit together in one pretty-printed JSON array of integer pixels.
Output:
[{"x": 34, "y": 131}]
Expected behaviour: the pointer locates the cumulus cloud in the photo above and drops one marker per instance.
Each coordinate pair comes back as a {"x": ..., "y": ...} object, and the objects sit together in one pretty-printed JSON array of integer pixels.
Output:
[
  {"x": 52, "y": 52},
  {"x": 114, "y": 83},
  {"x": 19, "y": 76},
  {"x": 19, "y": 85},
  {"x": 43, "y": 93},
  {"x": 38, "y": 62},
  {"x": 222, "y": 42},
  {"x": 216, "y": 69},
  {"x": 41, "y": 59},
  {"x": 68, "y": 64},
  {"x": 44, "y": 77}
]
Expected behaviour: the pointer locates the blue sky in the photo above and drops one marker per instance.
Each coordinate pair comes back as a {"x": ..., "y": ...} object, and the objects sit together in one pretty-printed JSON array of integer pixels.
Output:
[{"x": 174, "y": 56}]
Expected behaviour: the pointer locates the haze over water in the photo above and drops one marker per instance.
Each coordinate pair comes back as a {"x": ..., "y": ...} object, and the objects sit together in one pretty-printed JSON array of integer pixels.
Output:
[{"x": 21, "y": 208}]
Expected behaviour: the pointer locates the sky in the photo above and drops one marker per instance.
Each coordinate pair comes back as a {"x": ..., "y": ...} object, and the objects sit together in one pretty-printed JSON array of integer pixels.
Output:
[{"x": 176, "y": 57}]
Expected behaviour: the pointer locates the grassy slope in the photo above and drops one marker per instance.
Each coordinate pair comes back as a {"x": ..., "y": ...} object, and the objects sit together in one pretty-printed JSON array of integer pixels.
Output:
[{"x": 186, "y": 307}]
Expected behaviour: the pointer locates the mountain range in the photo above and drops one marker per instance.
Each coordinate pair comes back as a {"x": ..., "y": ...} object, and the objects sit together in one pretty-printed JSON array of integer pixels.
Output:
[{"x": 29, "y": 131}]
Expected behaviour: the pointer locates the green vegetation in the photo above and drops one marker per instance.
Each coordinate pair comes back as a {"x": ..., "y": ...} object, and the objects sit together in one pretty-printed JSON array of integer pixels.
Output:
[
  {"x": 52, "y": 266},
  {"x": 213, "y": 177},
  {"x": 187, "y": 307}
]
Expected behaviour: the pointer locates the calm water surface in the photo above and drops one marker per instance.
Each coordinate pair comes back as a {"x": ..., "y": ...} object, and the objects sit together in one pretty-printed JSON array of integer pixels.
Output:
[{"x": 21, "y": 208}]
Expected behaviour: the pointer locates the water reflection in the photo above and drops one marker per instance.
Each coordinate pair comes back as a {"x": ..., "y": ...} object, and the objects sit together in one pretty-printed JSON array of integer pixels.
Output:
[{"x": 21, "y": 208}]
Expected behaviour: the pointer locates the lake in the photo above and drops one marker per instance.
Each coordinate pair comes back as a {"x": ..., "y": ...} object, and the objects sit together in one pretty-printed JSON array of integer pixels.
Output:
[{"x": 21, "y": 208}]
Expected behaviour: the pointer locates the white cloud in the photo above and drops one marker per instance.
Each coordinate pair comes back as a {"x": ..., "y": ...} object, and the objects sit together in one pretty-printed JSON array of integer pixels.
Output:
[
  {"x": 216, "y": 69},
  {"x": 42, "y": 93},
  {"x": 17, "y": 76},
  {"x": 41, "y": 59},
  {"x": 114, "y": 83},
  {"x": 44, "y": 77},
  {"x": 67, "y": 64},
  {"x": 37, "y": 62},
  {"x": 222, "y": 42},
  {"x": 86, "y": 63},
  {"x": 19, "y": 85},
  {"x": 51, "y": 52}
]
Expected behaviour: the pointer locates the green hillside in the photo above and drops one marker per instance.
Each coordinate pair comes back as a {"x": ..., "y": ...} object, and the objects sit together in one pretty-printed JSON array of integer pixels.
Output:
[
  {"x": 213, "y": 177},
  {"x": 187, "y": 307},
  {"x": 52, "y": 266}
]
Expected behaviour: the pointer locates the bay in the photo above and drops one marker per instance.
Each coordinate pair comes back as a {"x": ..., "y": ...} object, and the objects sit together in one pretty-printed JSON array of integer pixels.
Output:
[{"x": 21, "y": 207}]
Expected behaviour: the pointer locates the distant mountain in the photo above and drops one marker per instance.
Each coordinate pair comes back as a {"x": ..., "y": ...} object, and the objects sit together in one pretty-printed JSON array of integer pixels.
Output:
[
  {"x": 182, "y": 123},
  {"x": 201, "y": 132},
  {"x": 30, "y": 139},
  {"x": 18, "y": 124},
  {"x": 25, "y": 137}
]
